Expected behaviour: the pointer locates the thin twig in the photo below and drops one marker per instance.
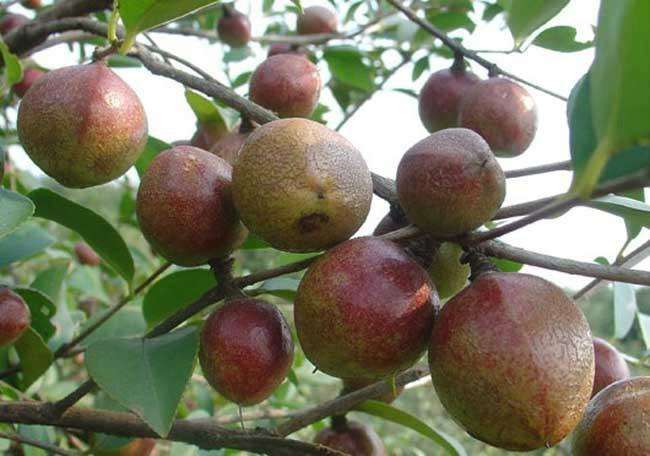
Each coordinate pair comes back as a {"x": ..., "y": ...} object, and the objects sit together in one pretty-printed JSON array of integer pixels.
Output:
[
  {"x": 551, "y": 167},
  {"x": 37, "y": 444}
]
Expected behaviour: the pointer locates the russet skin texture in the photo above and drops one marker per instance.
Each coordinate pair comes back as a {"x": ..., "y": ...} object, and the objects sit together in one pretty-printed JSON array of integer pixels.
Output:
[
  {"x": 86, "y": 255},
  {"x": 30, "y": 75},
  {"x": 450, "y": 182},
  {"x": 301, "y": 186},
  {"x": 617, "y": 421},
  {"x": 185, "y": 207},
  {"x": 246, "y": 350},
  {"x": 315, "y": 20},
  {"x": 15, "y": 317},
  {"x": 82, "y": 125},
  {"x": 229, "y": 146},
  {"x": 364, "y": 310},
  {"x": 234, "y": 28},
  {"x": 610, "y": 365},
  {"x": 287, "y": 84},
  {"x": 512, "y": 361},
  {"x": 441, "y": 95},
  {"x": 354, "y": 439},
  {"x": 11, "y": 21},
  {"x": 503, "y": 113}
]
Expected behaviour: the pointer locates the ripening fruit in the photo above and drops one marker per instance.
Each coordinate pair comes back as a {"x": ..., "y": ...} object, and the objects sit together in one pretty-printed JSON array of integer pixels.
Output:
[
  {"x": 512, "y": 361},
  {"x": 82, "y": 125},
  {"x": 364, "y": 310},
  {"x": 301, "y": 186},
  {"x": 32, "y": 4},
  {"x": 86, "y": 255},
  {"x": 234, "y": 28},
  {"x": 15, "y": 317},
  {"x": 287, "y": 84},
  {"x": 208, "y": 134},
  {"x": 450, "y": 183},
  {"x": 185, "y": 207},
  {"x": 229, "y": 146},
  {"x": 352, "y": 438},
  {"x": 30, "y": 76},
  {"x": 616, "y": 422},
  {"x": 11, "y": 21},
  {"x": 503, "y": 113},
  {"x": 610, "y": 365},
  {"x": 353, "y": 384},
  {"x": 137, "y": 447},
  {"x": 246, "y": 350},
  {"x": 440, "y": 97},
  {"x": 315, "y": 20}
]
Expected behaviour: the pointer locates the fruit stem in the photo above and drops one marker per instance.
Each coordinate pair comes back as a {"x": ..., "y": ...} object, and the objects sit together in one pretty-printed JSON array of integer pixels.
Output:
[
  {"x": 246, "y": 125},
  {"x": 459, "y": 63},
  {"x": 393, "y": 384},
  {"x": 228, "y": 10},
  {"x": 479, "y": 263}
]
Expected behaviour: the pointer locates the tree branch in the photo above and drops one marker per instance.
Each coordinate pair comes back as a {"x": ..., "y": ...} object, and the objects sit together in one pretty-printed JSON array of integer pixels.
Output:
[
  {"x": 551, "y": 167},
  {"x": 51, "y": 449}
]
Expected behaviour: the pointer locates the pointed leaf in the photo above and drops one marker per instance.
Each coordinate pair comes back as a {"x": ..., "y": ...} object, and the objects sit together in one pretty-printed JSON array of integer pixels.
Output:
[
  {"x": 205, "y": 110},
  {"x": 25, "y": 242},
  {"x": 50, "y": 281},
  {"x": 42, "y": 310},
  {"x": 13, "y": 68},
  {"x": 629, "y": 209},
  {"x": 561, "y": 38},
  {"x": 35, "y": 357},
  {"x": 14, "y": 210},
  {"x": 625, "y": 309},
  {"x": 524, "y": 17}
]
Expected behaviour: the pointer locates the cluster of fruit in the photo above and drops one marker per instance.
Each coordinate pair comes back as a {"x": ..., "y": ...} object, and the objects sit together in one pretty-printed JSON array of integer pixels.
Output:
[{"x": 511, "y": 356}]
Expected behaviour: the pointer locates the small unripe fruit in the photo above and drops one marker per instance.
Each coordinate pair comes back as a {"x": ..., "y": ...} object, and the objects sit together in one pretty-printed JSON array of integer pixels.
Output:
[
  {"x": 207, "y": 135},
  {"x": 450, "y": 182},
  {"x": 82, "y": 125},
  {"x": 503, "y": 113},
  {"x": 15, "y": 317},
  {"x": 86, "y": 255},
  {"x": 301, "y": 186},
  {"x": 352, "y": 438},
  {"x": 185, "y": 207},
  {"x": 229, "y": 146},
  {"x": 315, "y": 20},
  {"x": 234, "y": 28},
  {"x": 287, "y": 84},
  {"x": 610, "y": 365},
  {"x": 11, "y": 21},
  {"x": 364, "y": 310},
  {"x": 246, "y": 350},
  {"x": 30, "y": 76},
  {"x": 440, "y": 97},
  {"x": 616, "y": 422},
  {"x": 32, "y": 4},
  {"x": 512, "y": 361},
  {"x": 286, "y": 48}
]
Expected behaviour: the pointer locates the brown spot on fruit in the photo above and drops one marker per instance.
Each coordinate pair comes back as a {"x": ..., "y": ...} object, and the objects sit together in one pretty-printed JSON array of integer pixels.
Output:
[
  {"x": 610, "y": 365},
  {"x": 352, "y": 438},
  {"x": 315, "y": 20},
  {"x": 312, "y": 222},
  {"x": 15, "y": 317}
]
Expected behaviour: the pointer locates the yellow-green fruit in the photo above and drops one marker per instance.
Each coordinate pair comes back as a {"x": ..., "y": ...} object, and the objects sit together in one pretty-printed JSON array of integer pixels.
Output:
[
  {"x": 301, "y": 186},
  {"x": 82, "y": 125},
  {"x": 447, "y": 272}
]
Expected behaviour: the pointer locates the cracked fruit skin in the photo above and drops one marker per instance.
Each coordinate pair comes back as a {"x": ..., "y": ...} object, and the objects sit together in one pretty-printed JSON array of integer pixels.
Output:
[
  {"x": 450, "y": 182},
  {"x": 15, "y": 317},
  {"x": 503, "y": 113},
  {"x": 246, "y": 350},
  {"x": 234, "y": 28},
  {"x": 610, "y": 365},
  {"x": 364, "y": 310},
  {"x": 30, "y": 76},
  {"x": 82, "y": 125},
  {"x": 287, "y": 84},
  {"x": 315, "y": 20},
  {"x": 354, "y": 439},
  {"x": 185, "y": 209},
  {"x": 440, "y": 97},
  {"x": 512, "y": 361},
  {"x": 229, "y": 146},
  {"x": 86, "y": 255},
  {"x": 301, "y": 186},
  {"x": 617, "y": 421}
]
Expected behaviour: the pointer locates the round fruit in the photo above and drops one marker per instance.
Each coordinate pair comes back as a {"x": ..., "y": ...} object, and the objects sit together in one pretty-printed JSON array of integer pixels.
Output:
[
  {"x": 229, "y": 146},
  {"x": 208, "y": 134},
  {"x": 234, "y": 28},
  {"x": 246, "y": 350},
  {"x": 610, "y": 365},
  {"x": 617, "y": 421},
  {"x": 441, "y": 95},
  {"x": 315, "y": 20},
  {"x": 512, "y": 361},
  {"x": 364, "y": 310},
  {"x": 82, "y": 125},
  {"x": 387, "y": 225},
  {"x": 137, "y": 447},
  {"x": 447, "y": 272},
  {"x": 185, "y": 207},
  {"x": 287, "y": 84},
  {"x": 353, "y": 384},
  {"x": 15, "y": 317},
  {"x": 352, "y": 438},
  {"x": 503, "y": 113},
  {"x": 301, "y": 186},
  {"x": 285, "y": 48},
  {"x": 450, "y": 183},
  {"x": 86, "y": 255},
  {"x": 30, "y": 75},
  {"x": 11, "y": 21}
]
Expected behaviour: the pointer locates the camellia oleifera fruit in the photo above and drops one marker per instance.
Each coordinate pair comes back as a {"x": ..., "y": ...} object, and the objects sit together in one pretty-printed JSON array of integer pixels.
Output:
[
  {"x": 610, "y": 365},
  {"x": 15, "y": 317},
  {"x": 616, "y": 423},
  {"x": 246, "y": 350},
  {"x": 207, "y": 134},
  {"x": 364, "y": 310},
  {"x": 82, "y": 125},
  {"x": 512, "y": 361},
  {"x": 185, "y": 207},
  {"x": 450, "y": 182},
  {"x": 287, "y": 84},
  {"x": 301, "y": 186},
  {"x": 234, "y": 28},
  {"x": 86, "y": 255},
  {"x": 503, "y": 113},
  {"x": 352, "y": 438},
  {"x": 30, "y": 76},
  {"x": 315, "y": 20}
]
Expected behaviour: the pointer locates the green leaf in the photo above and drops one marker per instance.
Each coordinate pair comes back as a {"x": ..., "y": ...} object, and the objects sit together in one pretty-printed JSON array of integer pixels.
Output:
[
  {"x": 298, "y": 5},
  {"x": 625, "y": 309},
  {"x": 42, "y": 310},
  {"x": 390, "y": 413},
  {"x": 282, "y": 287},
  {"x": 206, "y": 111},
  {"x": 524, "y": 17},
  {"x": 128, "y": 322},
  {"x": 644, "y": 325},
  {"x": 506, "y": 265},
  {"x": 154, "y": 147},
  {"x": 419, "y": 67},
  {"x": 629, "y": 209},
  {"x": 95, "y": 230},
  {"x": 147, "y": 376},
  {"x": 26, "y": 241},
  {"x": 562, "y": 39},
  {"x": 14, "y": 210},
  {"x": 13, "y": 68},
  {"x": 346, "y": 64},
  {"x": 50, "y": 281},
  {"x": 252, "y": 242},
  {"x": 35, "y": 357},
  {"x": 449, "y": 20},
  {"x": 241, "y": 79},
  {"x": 174, "y": 292}
]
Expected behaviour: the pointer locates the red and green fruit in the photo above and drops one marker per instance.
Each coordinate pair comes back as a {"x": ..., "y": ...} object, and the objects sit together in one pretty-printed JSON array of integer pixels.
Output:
[{"x": 15, "y": 317}]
